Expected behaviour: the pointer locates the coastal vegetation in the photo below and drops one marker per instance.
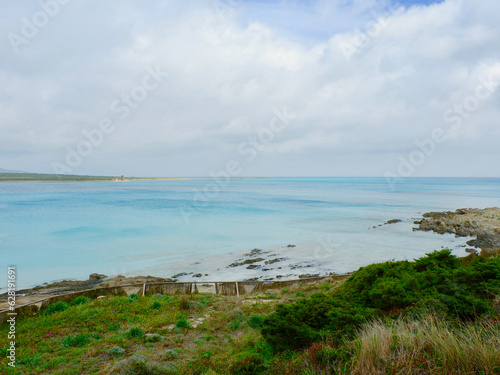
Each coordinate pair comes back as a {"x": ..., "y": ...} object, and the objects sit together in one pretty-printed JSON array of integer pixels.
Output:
[
  {"x": 24, "y": 177},
  {"x": 435, "y": 315}
]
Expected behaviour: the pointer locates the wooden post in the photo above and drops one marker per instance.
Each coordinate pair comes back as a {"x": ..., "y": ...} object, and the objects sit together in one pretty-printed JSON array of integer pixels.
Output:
[
  {"x": 237, "y": 290},
  {"x": 144, "y": 290}
]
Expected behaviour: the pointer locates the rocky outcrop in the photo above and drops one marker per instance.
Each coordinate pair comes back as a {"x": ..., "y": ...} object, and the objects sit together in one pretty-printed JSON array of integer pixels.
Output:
[
  {"x": 487, "y": 241},
  {"x": 484, "y": 224},
  {"x": 96, "y": 277}
]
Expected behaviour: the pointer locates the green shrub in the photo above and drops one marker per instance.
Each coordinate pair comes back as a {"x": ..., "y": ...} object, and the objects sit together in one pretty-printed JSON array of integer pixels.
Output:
[
  {"x": 80, "y": 300},
  {"x": 139, "y": 366},
  {"x": 116, "y": 351},
  {"x": 256, "y": 321},
  {"x": 135, "y": 332},
  {"x": 155, "y": 337},
  {"x": 155, "y": 305},
  {"x": 169, "y": 355},
  {"x": 440, "y": 282},
  {"x": 312, "y": 319},
  {"x": 74, "y": 341},
  {"x": 271, "y": 295},
  {"x": 182, "y": 322},
  {"x": 168, "y": 299},
  {"x": 190, "y": 304},
  {"x": 264, "y": 350},
  {"x": 206, "y": 355},
  {"x": 184, "y": 303},
  {"x": 233, "y": 326},
  {"x": 339, "y": 356},
  {"x": 250, "y": 364},
  {"x": 55, "y": 307},
  {"x": 199, "y": 366},
  {"x": 133, "y": 298}
]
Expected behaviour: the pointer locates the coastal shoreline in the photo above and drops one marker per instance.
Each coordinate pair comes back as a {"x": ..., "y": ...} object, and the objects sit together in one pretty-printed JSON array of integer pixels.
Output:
[
  {"x": 64, "y": 178},
  {"x": 288, "y": 261}
]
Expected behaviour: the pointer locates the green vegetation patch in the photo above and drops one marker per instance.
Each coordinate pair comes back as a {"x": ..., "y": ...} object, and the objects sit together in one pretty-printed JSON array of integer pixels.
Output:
[
  {"x": 459, "y": 288},
  {"x": 437, "y": 315}
]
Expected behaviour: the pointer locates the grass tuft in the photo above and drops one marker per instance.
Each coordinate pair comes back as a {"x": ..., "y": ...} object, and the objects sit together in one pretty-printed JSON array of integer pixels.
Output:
[{"x": 136, "y": 333}]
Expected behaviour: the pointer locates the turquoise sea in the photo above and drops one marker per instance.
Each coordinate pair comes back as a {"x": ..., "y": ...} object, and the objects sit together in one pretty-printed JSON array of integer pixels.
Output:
[{"x": 52, "y": 231}]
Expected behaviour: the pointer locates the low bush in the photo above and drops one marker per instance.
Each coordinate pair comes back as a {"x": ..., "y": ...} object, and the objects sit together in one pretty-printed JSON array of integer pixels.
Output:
[
  {"x": 133, "y": 298},
  {"x": 139, "y": 366},
  {"x": 233, "y": 326},
  {"x": 136, "y": 333},
  {"x": 80, "y": 300},
  {"x": 182, "y": 322},
  {"x": 78, "y": 340},
  {"x": 169, "y": 354},
  {"x": 155, "y": 337},
  {"x": 256, "y": 321},
  {"x": 116, "y": 351},
  {"x": 440, "y": 282},
  {"x": 155, "y": 305},
  {"x": 55, "y": 307},
  {"x": 248, "y": 364}
]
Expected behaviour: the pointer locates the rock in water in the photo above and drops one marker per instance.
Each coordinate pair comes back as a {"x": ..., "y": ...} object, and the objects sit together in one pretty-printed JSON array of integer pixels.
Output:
[
  {"x": 96, "y": 277},
  {"x": 481, "y": 223},
  {"x": 394, "y": 221}
]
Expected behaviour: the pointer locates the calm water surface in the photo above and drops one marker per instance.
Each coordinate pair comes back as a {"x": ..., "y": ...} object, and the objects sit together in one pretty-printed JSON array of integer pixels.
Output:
[{"x": 52, "y": 231}]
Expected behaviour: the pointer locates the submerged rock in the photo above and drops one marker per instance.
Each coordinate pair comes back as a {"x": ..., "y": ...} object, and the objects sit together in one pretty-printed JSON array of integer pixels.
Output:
[
  {"x": 394, "y": 221},
  {"x": 248, "y": 261}
]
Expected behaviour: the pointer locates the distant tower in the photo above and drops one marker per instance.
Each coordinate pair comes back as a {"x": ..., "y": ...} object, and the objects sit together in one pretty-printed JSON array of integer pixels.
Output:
[{"x": 123, "y": 178}]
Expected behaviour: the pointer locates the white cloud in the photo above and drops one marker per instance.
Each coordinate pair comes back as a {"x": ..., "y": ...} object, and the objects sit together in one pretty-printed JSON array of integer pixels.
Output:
[{"x": 228, "y": 70}]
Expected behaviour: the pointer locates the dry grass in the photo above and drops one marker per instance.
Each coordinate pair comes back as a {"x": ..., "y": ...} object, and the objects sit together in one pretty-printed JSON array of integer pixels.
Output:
[{"x": 429, "y": 345}]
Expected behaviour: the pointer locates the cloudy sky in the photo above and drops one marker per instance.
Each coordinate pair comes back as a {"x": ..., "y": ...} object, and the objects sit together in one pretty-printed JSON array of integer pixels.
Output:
[{"x": 253, "y": 87}]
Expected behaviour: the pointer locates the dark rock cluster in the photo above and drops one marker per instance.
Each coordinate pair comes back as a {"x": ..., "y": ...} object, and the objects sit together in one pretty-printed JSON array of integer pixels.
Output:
[{"x": 479, "y": 223}]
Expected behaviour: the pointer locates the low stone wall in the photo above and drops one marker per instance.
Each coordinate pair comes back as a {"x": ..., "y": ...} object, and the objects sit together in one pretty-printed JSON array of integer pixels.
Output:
[
  {"x": 227, "y": 288},
  {"x": 31, "y": 308}
]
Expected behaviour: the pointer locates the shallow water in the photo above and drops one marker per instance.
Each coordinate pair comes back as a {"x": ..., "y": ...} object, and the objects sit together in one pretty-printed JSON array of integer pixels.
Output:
[{"x": 51, "y": 231}]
